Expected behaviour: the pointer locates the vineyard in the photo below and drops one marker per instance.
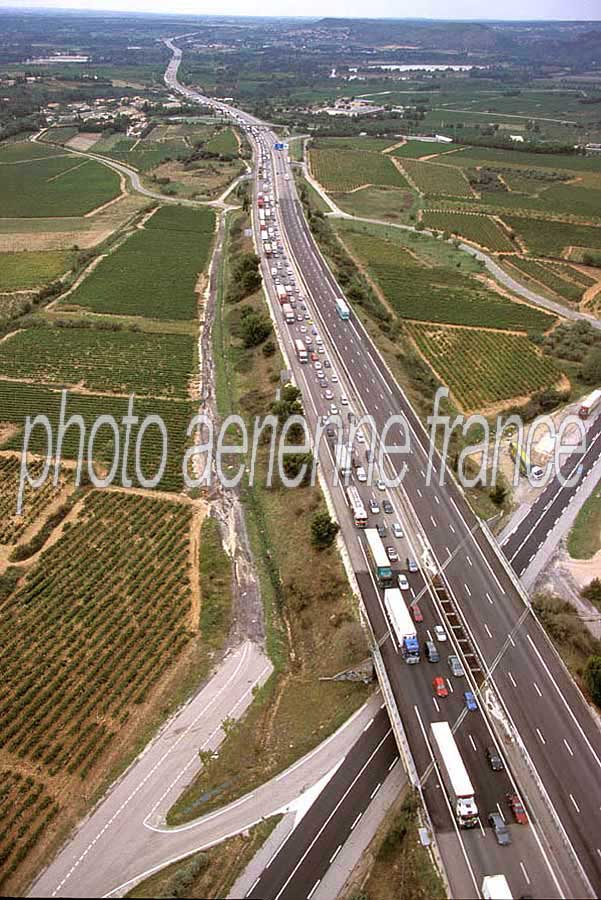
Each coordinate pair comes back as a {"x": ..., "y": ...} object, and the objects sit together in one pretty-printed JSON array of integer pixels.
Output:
[
  {"x": 415, "y": 149},
  {"x": 117, "y": 578},
  {"x": 27, "y": 812},
  {"x": 24, "y": 270},
  {"x": 432, "y": 179},
  {"x": 479, "y": 229},
  {"x": 441, "y": 294},
  {"x": 345, "y": 170},
  {"x": 571, "y": 273},
  {"x": 545, "y": 238},
  {"x": 148, "y": 364},
  {"x": 154, "y": 273},
  {"x": 18, "y": 400},
  {"x": 550, "y": 278},
  {"x": 34, "y": 502},
  {"x": 223, "y": 142},
  {"x": 482, "y": 368},
  {"x": 56, "y": 186}
]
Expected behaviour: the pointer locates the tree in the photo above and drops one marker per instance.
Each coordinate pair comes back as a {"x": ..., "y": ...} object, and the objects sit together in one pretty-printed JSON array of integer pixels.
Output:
[
  {"x": 293, "y": 463},
  {"x": 592, "y": 591},
  {"x": 591, "y": 367},
  {"x": 323, "y": 530},
  {"x": 498, "y": 494},
  {"x": 592, "y": 678},
  {"x": 255, "y": 328}
]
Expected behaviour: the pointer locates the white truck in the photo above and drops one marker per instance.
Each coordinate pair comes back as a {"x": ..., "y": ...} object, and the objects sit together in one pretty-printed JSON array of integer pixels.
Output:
[
  {"x": 495, "y": 887},
  {"x": 454, "y": 775},
  {"x": 282, "y": 295},
  {"x": 589, "y": 404},
  {"x": 288, "y": 313},
  {"x": 344, "y": 460},
  {"x": 402, "y": 625}
]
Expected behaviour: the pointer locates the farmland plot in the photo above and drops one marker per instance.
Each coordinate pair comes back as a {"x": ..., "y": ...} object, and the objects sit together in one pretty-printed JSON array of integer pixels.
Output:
[
  {"x": 117, "y": 578},
  {"x": 550, "y": 278},
  {"x": 432, "y": 179},
  {"x": 546, "y": 238},
  {"x": 224, "y": 142},
  {"x": 483, "y": 369},
  {"x": 26, "y": 270},
  {"x": 57, "y": 186},
  {"x": 441, "y": 294},
  {"x": 154, "y": 273},
  {"x": 34, "y": 501},
  {"x": 18, "y": 400},
  {"x": 28, "y": 811},
  {"x": 123, "y": 362},
  {"x": 479, "y": 229},
  {"x": 346, "y": 170}
]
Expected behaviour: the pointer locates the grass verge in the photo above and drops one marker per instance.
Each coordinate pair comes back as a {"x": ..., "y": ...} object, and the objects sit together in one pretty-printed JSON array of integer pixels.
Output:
[
  {"x": 584, "y": 539},
  {"x": 210, "y": 873}
]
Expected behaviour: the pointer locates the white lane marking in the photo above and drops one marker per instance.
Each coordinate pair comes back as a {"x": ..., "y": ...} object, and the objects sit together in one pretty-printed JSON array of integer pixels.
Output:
[
  {"x": 451, "y": 528},
  {"x": 470, "y": 563},
  {"x": 540, "y": 734},
  {"x": 368, "y": 724},
  {"x": 488, "y": 631},
  {"x": 393, "y": 764},
  {"x": 524, "y": 872},
  {"x": 433, "y": 520},
  {"x": 512, "y": 679},
  {"x": 568, "y": 748},
  {"x": 472, "y": 742},
  {"x": 577, "y": 808},
  {"x": 435, "y": 702},
  {"x": 537, "y": 689},
  {"x": 375, "y": 790},
  {"x": 335, "y": 853},
  {"x": 511, "y": 640},
  {"x": 356, "y": 820},
  {"x": 469, "y": 593},
  {"x": 313, "y": 889},
  {"x": 489, "y": 598}
]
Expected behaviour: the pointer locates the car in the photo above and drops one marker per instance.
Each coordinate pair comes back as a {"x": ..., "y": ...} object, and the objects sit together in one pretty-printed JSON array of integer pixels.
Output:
[
  {"x": 322, "y": 382},
  {"x": 360, "y": 437},
  {"x": 517, "y": 808},
  {"x": 416, "y": 612},
  {"x": 501, "y": 830},
  {"x": 387, "y": 507},
  {"x": 308, "y": 340},
  {"x": 328, "y": 394},
  {"x": 470, "y": 701},
  {"x": 333, "y": 409},
  {"x": 382, "y": 529},
  {"x": 307, "y": 317},
  {"x": 380, "y": 485},
  {"x": 314, "y": 330},
  {"x": 360, "y": 473},
  {"x": 374, "y": 507},
  {"x": 303, "y": 329},
  {"x": 317, "y": 365},
  {"x": 314, "y": 357},
  {"x": 327, "y": 363},
  {"x": 343, "y": 400},
  {"x": 440, "y": 687},
  {"x": 397, "y": 530},
  {"x": 411, "y": 565},
  {"x": 299, "y": 317},
  {"x": 494, "y": 759},
  {"x": 278, "y": 280},
  {"x": 330, "y": 431},
  {"x": 392, "y": 555},
  {"x": 334, "y": 378},
  {"x": 439, "y": 633},
  {"x": 455, "y": 666},
  {"x": 432, "y": 654},
  {"x": 321, "y": 348}
]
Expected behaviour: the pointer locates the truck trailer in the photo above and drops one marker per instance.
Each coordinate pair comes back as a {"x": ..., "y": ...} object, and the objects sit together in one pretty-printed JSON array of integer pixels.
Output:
[
  {"x": 495, "y": 887},
  {"x": 454, "y": 774},
  {"x": 589, "y": 404},
  {"x": 288, "y": 313},
  {"x": 281, "y": 292},
  {"x": 402, "y": 625}
]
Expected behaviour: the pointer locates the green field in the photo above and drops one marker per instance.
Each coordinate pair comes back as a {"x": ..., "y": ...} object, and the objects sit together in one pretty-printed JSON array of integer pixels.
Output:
[
  {"x": 152, "y": 274},
  {"x": 363, "y": 142},
  {"x": 415, "y": 149},
  {"x": 432, "y": 179},
  {"x": 473, "y": 227},
  {"x": 121, "y": 362},
  {"x": 25, "y": 270},
  {"x": 482, "y": 156},
  {"x": 144, "y": 155},
  {"x": 545, "y": 238},
  {"x": 440, "y": 293},
  {"x": 346, "y": 170},
  {"x": 18, "y": 400},
  {"x": 58, "y": 186},
  {"x": 554, "y": 200},
  {"x": 483, "y": 368},
  {"x": 27, "y": 150},
  {"x": 224, "y": 142},
  {"x": 378, "y": 203}
]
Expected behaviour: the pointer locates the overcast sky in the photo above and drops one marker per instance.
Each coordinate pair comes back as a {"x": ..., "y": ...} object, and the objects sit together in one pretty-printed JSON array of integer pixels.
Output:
[{"x": 437, "y": 9}]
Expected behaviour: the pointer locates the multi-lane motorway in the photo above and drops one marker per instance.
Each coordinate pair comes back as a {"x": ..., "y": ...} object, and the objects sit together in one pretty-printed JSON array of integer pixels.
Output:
[{"x": 554, "y": 735}]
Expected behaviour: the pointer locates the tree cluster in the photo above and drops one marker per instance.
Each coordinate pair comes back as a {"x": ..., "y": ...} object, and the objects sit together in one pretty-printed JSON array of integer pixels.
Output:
[{"x": 245, "y": 277}]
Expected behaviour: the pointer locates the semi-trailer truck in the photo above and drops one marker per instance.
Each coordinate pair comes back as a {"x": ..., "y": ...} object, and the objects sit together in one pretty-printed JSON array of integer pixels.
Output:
[
  {"x": 282, "y": 295},
  {"x": 454, "y": 775},
  {"x": 344, "y": 460},
  {"x": 589, "y": 404},
  {"x": 495, "y": 887},
  {"x": 301, "y": 351},
  {"x": 402, "y": 625},
  {"x": 288, "y": 313}
]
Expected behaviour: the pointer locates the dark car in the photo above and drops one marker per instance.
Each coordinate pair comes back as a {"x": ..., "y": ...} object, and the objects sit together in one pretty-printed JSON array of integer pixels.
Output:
[
  {"x": 494, "y": 759},
  {"x": 432, "y": 654},
  {"x": 387, "y": 507},
  {"x": 331, "y": 432},
  {"x": 382, "y": 529},
  {"x": 502, "y": 835}
]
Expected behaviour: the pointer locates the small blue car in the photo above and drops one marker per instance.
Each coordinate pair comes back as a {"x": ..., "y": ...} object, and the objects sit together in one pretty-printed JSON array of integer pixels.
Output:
[{"x": 470, "y": 701}]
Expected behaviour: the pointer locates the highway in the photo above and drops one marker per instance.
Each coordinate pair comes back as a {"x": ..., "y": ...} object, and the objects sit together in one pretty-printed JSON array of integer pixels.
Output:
[{"x": 553, "y": 730}]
